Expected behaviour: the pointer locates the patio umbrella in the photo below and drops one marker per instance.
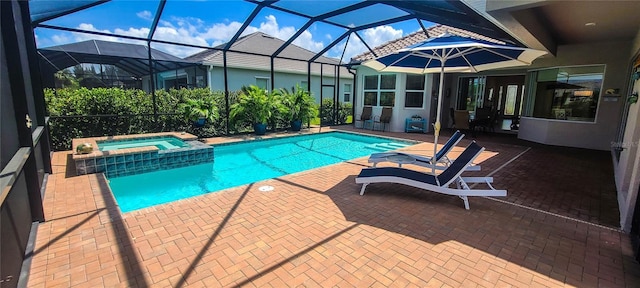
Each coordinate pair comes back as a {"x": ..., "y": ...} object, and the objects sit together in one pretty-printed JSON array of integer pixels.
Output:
[{"x": 449, "y": 53}]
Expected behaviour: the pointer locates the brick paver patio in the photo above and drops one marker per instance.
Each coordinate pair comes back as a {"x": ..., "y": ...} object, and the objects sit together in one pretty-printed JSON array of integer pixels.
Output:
[{"x": 555, "y": 228}]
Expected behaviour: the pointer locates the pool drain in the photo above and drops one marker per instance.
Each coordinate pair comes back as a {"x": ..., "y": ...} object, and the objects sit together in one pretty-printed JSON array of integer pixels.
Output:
[{"x": 266, "y": 188}]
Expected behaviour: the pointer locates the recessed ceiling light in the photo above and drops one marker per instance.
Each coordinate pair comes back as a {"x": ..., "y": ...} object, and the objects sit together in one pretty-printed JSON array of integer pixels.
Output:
[{"x": 590, "y": 24}]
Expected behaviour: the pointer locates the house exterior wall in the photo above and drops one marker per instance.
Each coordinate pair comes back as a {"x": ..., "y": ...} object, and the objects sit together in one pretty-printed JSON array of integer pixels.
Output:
[
  {"x": 243, "y": 77},
  {"x": 593, "y": 135},
  {"x": 400, "y": 112},
  {"x": 627, "y": 168}
]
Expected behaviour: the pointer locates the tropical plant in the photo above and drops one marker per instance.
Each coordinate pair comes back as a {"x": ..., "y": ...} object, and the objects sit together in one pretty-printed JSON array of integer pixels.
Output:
[
  {"x": 252, "y": 106},
  {"x": 197, "y": 109},
  {"x": 299, "y": 104}
]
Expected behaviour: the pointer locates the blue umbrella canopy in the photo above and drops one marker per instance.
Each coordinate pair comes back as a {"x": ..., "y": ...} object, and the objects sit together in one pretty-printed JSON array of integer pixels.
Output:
[
  {"x": 449, "y": 53},
  {"x": 459, "y": 54}
]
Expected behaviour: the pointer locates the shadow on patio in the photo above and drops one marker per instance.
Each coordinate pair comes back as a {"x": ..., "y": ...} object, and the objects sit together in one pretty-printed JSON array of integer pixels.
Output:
[{"x": 315, "y": 230}]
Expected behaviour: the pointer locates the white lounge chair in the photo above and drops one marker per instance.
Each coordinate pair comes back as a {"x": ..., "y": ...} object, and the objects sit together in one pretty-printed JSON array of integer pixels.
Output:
[
  {"x": 433, "y": 183},
  {"x": 441, "y": 156}
]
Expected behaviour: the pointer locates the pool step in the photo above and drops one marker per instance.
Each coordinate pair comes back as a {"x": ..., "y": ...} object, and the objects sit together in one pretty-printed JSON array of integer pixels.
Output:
[{"x": 386, "y": 146}]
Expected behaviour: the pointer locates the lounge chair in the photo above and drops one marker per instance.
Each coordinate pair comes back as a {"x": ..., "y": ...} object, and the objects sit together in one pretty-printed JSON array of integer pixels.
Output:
[
  {"x": 433, "y": 183},
  {"x": 441, "y": 155}
]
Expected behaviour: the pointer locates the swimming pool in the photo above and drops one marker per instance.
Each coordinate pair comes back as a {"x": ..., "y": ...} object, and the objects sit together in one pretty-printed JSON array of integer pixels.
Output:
[
  {"x": 243, "y": 163},
  {"x": 163, "y": 143}
]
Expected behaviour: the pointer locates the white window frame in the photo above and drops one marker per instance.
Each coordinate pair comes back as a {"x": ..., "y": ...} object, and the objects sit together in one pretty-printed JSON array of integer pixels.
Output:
[
  {"x": 423, "y": 91},
  {"x": 346, "y": 92},
  {"x": 379, "y": 90},
  {"x": 264, "y": 78}
]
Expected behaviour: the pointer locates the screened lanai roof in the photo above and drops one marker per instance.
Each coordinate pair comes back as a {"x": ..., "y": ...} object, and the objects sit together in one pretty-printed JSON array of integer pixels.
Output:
[
  {"x": 346, "y": 19},
  {"x": 133, "y": 58}
]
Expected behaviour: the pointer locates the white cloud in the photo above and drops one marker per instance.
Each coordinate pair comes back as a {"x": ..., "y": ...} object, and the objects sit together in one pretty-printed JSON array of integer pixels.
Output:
[
  {"x": 373, "y": 36},
  {"x": 221, "y": 31},
  {"x": 192, "y": 31},
  {"x": 146, "y": 15},
  {"x": 305, "y": 40}
]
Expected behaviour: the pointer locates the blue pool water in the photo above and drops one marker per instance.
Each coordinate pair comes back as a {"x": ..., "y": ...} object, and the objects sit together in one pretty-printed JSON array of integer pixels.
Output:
[
  {"x": 163, "y": 143},
  {"x": 243, "y": 163}
]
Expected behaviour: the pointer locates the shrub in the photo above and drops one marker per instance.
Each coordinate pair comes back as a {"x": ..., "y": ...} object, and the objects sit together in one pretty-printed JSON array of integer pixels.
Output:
[
  {"x": 341, "y": 114},
  {"x": 114, "y": 111}
]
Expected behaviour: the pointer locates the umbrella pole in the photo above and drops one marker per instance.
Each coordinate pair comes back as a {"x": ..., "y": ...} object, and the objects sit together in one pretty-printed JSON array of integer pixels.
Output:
[{"x": 436, "y": 128}]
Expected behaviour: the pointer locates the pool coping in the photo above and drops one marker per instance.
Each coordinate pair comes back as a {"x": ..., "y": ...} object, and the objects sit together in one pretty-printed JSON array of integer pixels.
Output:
[
  {"x": 275, "y": 137},
  {"x": 93, "y": 141}
]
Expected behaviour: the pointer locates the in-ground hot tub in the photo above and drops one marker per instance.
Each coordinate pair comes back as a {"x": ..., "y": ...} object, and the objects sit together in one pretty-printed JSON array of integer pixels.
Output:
[
  {"x": 161, "y": 142},
  {"x": 135, "y": 154}
]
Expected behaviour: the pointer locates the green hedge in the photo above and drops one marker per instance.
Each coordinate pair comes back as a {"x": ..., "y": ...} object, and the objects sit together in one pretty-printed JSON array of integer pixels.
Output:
[
  {"x": 83, "y": 112},
  {"x": 75, "y": 113}
]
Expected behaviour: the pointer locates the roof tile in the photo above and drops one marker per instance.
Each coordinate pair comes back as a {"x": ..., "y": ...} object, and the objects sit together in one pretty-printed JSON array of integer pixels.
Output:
[{"x": 415, "y": 38}]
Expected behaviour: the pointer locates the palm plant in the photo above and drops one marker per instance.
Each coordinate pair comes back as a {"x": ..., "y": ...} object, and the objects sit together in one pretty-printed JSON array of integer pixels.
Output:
[
  {"x": 198, "y": 111},
  {"x": 299, "y": 106},
  {"x": 254, "y": 107}
]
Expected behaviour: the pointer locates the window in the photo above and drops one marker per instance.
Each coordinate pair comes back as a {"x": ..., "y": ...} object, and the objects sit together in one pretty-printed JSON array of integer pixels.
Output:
[
  {"x": 347, "y": 93},
  {"x": 567, "y": 93},
  {"x": 262, "y": 83},
  {"x": 471, "y": 92},
  {"x": 414, "y": 97},
  {"x": 370, "y": 90},
  {"x": 379, "y": 90}
]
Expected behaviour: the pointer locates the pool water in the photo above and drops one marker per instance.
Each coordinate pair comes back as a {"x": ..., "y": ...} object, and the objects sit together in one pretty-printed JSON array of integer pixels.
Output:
[
  {"x": 243, "y": 163},
  {"x": 163, "y": 143}
]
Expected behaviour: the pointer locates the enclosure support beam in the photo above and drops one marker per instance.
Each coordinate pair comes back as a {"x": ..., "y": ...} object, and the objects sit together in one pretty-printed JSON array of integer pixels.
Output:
[
  {"x": 424, "y": 29},
  {"x": 272, "y": 74},
  {"x": 19, "y": 95},
  {"x": 365, "y": 44},
  {"x": 37, "y": 88},
  {"x": 152, "y": 82},
  {"x": 321, "y": 83},
  {"x": 226, "y": 90},
  {"x": 246, "y": 23},
  {"x": 371, "y": 25},
  {"x": 309, "y": 85},
  {"x": 154, "y": 25}
]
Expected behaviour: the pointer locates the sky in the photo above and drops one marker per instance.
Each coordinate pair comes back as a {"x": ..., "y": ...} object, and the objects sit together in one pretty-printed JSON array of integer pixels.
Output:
[{"x": 211, "y": 23}]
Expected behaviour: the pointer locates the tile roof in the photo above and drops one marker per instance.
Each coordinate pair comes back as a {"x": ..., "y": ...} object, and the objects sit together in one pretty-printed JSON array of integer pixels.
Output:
[
  {"x": 417, "y": 37},
  {"x": 261, "y": 43}
]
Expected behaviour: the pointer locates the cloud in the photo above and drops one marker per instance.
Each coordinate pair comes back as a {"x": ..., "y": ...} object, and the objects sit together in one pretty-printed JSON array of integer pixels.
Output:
[
  {"x": 189, "y": 30},
  {"x": 146, "y": 15},
  {"x": 373, "y": 36}
]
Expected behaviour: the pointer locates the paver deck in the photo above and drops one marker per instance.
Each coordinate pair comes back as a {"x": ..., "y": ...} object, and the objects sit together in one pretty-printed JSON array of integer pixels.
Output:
[{"x": 555, "y": 228}]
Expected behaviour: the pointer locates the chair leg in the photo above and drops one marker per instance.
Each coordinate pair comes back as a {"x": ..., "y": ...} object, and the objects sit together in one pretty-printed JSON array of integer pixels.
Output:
[
  {"x": 466, "y": 201},
  {"x": 364, "y": 186}
]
